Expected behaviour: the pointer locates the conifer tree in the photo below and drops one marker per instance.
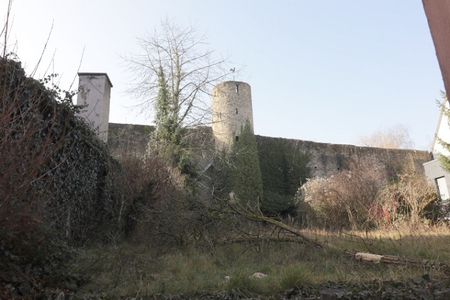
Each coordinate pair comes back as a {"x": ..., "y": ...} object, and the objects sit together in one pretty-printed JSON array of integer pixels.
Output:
[
  {"x": 246, "y": 173},
  {"x": 163, "y": 119},
  {"x": 167, "y": 133}
]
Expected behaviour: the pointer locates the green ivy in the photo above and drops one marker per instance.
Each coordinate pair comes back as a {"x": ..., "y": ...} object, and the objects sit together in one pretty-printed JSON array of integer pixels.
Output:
[
  {"x": 246, "y": 172},
  {"x": 283, "y": 168},
  {"x": 76, "y": 184}
]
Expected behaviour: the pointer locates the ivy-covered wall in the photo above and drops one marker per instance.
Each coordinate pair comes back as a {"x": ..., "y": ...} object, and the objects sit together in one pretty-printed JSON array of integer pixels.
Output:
[
  {"x": 74, "y": 189},
  {"x": 283, "y": 168}
]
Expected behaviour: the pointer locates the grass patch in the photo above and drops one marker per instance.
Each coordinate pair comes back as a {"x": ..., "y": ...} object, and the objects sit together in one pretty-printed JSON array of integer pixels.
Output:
[
  {"x": 294, "y": 276},
  {"x": 130, "y": 270}
]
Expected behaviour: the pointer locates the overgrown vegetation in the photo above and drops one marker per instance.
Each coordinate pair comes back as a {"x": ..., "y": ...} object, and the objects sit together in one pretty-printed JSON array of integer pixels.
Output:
[
  {"x": 283, "y": 170},
  {"x": 153, "y": 225},
  {"x": 165, "y": 211},
  {"x": 137, "y": 271},
  {"x": 56, "y": 183},
  {"x": 364, "y": 197},
  {"x": 245, "y": 170},
  {"x": 143, "y": 222},
  {"x": 344, "y": 200}
]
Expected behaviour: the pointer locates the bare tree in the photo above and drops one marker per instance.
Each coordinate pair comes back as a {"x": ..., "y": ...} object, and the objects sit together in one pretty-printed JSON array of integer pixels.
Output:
[
  {"x": 176, "y": 62},
  {"x": 396, "y": 137}
]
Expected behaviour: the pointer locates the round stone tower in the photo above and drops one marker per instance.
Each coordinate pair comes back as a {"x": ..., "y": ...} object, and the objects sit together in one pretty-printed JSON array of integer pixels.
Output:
[{"x": 232, "y": 108}]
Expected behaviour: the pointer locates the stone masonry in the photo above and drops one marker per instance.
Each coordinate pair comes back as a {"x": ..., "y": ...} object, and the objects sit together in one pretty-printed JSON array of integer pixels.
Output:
[{"x": 232, "y": 108}]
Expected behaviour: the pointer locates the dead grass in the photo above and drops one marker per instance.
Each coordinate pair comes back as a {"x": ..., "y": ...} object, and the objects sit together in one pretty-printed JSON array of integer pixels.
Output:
[
  {"x": 130, "y": 270},
  {"x": 421, "y": 242}
]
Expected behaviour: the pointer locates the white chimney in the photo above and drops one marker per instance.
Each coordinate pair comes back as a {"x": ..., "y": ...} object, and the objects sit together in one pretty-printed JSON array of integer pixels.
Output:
[{"x": 94, "y": 91}]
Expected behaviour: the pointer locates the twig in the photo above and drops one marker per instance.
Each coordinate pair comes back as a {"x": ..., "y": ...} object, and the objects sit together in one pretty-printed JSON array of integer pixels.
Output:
[
  {"x": 78, "y": 69},
  {"x": 43, "y": 51},
  {"x": 5, "y": 29}
]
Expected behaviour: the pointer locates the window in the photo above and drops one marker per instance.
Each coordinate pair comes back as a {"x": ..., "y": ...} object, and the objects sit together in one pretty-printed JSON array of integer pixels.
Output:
[
  {"x": 236, "y": 111},
  {"x": 237, "y": 138},
  {"x": 237, "y": 88}
]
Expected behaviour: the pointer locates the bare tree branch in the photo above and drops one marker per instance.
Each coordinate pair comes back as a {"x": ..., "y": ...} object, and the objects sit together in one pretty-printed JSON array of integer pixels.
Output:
[
  {"x": 190, "y": 71},
  {"x": 43, "y": 51},
  {"x": 6, "y": 28}
]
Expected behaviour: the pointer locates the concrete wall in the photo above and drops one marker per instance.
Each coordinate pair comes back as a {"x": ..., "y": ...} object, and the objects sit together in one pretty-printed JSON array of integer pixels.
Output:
[
  {"x": 232, "y": 108},
  {"x": 94, "y": 90}
]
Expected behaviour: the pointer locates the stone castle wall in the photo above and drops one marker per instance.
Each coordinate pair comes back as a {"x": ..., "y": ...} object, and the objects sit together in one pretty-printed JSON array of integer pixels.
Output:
[
  {"x": 324, "y": 159},
  {"x": 328, "y": 159}
]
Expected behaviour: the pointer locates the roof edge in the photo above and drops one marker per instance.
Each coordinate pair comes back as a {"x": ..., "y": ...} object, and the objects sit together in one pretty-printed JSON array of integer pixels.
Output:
[{"x": 95, "y": 74}]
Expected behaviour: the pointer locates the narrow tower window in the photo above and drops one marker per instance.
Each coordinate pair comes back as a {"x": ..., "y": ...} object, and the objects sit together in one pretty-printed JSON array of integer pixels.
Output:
[
  {"x": 236, "y": 111},
  {"x": 237, "y": 88},
  {"x": 237, "y": 138}
]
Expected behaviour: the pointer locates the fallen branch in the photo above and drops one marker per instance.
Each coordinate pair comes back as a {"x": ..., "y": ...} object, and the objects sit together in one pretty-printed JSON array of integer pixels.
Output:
[
  {"x": 257, "y": 216},
  {"x": 257, "y": 239},
  {"x": 397, "y": 260},
  {"x": 254, "y": 214}
]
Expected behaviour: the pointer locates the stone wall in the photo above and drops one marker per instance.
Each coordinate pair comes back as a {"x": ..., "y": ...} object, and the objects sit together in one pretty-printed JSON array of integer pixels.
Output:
[
  {"x": 232, "y": 109},
  {"x": 324, "y": 159},
  {"x": 127, "y": 139},
  {"x": 327, "y": 159}
]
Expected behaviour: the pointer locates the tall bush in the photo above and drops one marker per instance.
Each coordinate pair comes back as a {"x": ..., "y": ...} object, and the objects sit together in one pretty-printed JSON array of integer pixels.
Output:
[
  {"x": 163, "y": 211},
  {"x": 411, "y": 199},
  {"x": 344, "y": 200}
]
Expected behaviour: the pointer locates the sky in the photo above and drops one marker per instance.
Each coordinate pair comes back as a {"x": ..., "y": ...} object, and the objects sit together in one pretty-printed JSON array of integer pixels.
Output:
[{"x": 323, "y": 70}]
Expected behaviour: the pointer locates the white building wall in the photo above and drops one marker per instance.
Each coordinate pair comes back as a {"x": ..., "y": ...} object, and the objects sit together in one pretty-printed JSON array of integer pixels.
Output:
[
  {"x": 433, "y": 169},
  {"x": 442, "y": 133}
]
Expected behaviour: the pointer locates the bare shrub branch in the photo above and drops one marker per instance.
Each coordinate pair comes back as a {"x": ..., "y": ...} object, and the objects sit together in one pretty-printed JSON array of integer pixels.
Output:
[{"x": 394, "y": 138}]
